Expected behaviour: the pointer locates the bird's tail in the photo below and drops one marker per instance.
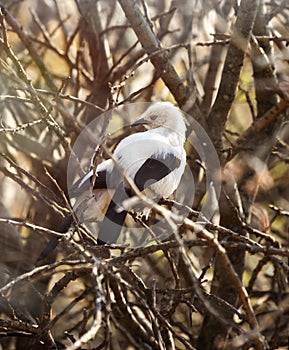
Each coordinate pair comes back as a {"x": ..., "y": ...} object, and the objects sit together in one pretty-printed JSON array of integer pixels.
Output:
[
  {"x": 110, "y": 227},
  {"x": 113, "y": 221},
  {"x": 55, "y": 240}
]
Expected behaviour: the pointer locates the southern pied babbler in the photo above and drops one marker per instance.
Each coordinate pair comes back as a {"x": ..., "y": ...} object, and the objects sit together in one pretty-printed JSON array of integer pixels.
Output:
[{"x": 154, "y": 160}]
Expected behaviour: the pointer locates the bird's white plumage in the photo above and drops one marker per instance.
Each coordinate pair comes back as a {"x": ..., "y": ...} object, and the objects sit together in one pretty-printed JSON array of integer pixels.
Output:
[
  {"x": 165, "y": 137},
  {"x": 134, "y": 150}
]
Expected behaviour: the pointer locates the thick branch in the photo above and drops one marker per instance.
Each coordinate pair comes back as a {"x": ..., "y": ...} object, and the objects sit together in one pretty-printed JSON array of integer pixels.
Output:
[
  {"x": 150, "y": 43},
  {"x": 232, "y": 67},
  {"x": 264, "y": 80},
  {"x": 222, "y": 286}
]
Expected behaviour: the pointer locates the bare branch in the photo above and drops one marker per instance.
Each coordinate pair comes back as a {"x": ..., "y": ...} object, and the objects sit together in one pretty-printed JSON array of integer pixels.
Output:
[
  {"x": 150, "y": 43},
  {"x": 233, "y": 63}
]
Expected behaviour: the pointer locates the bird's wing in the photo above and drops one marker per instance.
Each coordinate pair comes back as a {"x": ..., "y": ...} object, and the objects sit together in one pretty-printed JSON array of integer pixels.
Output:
[
  {"x": 154, "y": 169},
  {"x": 102, "y": 180},
  {"x": 83, "y": 184}
]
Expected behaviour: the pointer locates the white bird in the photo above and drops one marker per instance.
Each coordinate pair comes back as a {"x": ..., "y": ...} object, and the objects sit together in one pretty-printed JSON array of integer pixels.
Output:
[{"x": 154, "y": 160}]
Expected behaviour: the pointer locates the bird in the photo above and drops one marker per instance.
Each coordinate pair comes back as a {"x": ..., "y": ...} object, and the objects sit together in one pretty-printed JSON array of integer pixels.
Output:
[{"x": 153, "y": 159}]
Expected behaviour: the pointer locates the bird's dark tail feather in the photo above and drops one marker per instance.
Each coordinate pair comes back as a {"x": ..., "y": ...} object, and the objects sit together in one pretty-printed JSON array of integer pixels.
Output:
[
  {"x": 55, "y": 240},
  {"x": 110, "y": 228},
  {"x": 112, "y": 223}
]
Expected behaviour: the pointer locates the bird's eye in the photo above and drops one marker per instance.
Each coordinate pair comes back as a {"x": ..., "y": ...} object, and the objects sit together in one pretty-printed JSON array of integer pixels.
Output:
[{"x": 153, "y": 117}]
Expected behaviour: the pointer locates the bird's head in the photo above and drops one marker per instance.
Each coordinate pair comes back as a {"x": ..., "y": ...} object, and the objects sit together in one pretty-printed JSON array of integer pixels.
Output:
[{"x": 165, "y": 115}]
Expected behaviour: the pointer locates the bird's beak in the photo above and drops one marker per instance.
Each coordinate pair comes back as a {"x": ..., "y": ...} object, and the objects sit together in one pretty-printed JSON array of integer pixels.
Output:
[{"x": 141, "y": 121}]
